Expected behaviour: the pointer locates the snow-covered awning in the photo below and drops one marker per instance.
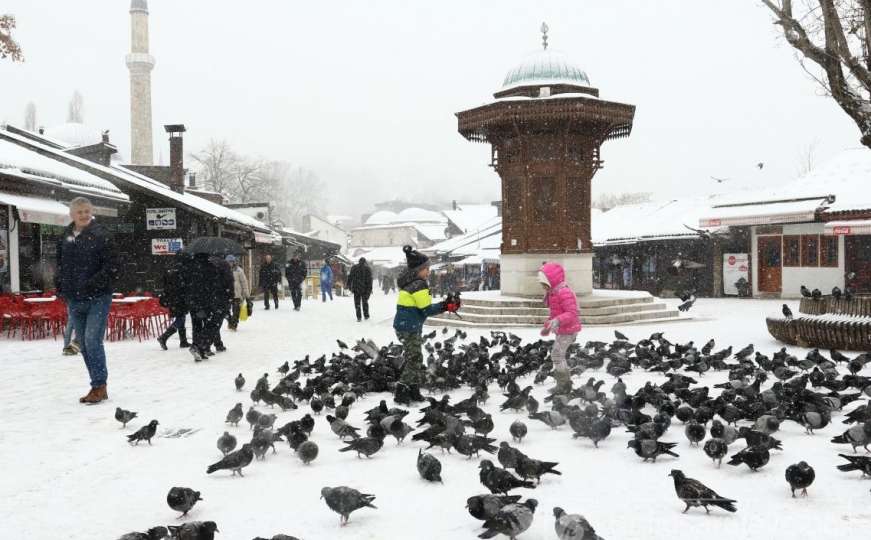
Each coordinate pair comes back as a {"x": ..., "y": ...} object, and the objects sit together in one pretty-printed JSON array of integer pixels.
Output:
[
  {"x": 37, "y": 210},
  {"x": 268, "y": 238},
  {"x": 800, "y": 211},
  {"x": 848, "y": 228}
]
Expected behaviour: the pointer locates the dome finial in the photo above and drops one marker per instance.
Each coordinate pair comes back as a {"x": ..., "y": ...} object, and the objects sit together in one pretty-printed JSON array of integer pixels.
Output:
[{"x": 544, "y": 30}]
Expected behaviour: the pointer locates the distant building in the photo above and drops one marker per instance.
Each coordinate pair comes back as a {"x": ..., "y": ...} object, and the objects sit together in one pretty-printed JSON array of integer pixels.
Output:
[{"x": 317, "y": 227}]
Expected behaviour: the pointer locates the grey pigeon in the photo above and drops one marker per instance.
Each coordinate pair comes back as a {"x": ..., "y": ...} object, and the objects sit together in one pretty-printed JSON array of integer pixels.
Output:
[
  {"x": 124, "y": 416},
  {"x": 694, "y": 493},
  {"x": 518, "y": 431},
  {"x": 573, "y": 526},
  {"x": 234, "y": 461},
  {"x": 307, "y": 451},
  {"x": 235, "y": 415},
  {"x": 240, "y": 382},
  {"x": 154, "y": 533},
  {"x": 182, "y": 499},
  {"x": 195, "y": 530},
  {"x": 511, "y": 520},
  {"x": 716, "y": 450},
  {"x": 266, "y": 420},
  {"x": 396, "y": 427},
  {"x": 429, "y": 467},
  {"x": 145, "y": 433},
  {"x": 252, "y": 417},
  {"x": 344, "y": 500},
  {"x": 552, "y": 419},
  {"x": 484, "y": 507},
  {"x": 528, "y": 468},
  {"x": 226, "y": 443},
  {"x": 278, "y": 537},
  {"x": 342, "y": 428},
  {"x": 650, "y": 449},
  {"x": 858, "y": 435},
  {"x": 366, "y": 446}
]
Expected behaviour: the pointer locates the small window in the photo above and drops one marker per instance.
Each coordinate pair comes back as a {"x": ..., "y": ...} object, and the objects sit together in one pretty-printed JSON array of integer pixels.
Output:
[
  {"x": 792, "y": 251},
  {"x": 829, "y": 251},
  {"x": 810, "y": 250}
]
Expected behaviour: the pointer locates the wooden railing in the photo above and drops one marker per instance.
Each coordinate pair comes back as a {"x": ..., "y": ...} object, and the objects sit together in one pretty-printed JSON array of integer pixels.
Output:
[{"x": 848, "y": 328}]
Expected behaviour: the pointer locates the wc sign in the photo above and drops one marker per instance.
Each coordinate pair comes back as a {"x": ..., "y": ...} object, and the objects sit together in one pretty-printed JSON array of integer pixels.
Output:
[{"x": 160, "y": 219}]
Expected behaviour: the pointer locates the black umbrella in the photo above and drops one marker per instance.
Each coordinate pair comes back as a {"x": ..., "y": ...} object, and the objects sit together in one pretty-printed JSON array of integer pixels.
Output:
[{"x": 212, "y": 245}]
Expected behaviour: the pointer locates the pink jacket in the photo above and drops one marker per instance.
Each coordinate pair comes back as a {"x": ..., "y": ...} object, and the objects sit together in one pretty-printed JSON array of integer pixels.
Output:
[{"x": 561, "y": 300}]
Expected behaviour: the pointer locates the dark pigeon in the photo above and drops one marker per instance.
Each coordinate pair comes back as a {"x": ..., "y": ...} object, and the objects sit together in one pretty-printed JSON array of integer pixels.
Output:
[
  {"x": 366, "y": 446},
  {"x": 234, "y": 461},
  {"x": 650, "y": 449},
  {"x": 800, "y": 476},
  {"x": 518, "y": 431},
  {"x": 500, "y": 480},
  {"x": 155, "y": 533},
  {"x": 195, "y": 530},
  {"x": 511, "y": 520},
  {"x": 344, "y": 500},
  {"x": 694, "y": 493},
  {"x": 226, "y": 443},
  {"x": 145, "y": 433},
  {"x": 182, "y": 499},
  {"x": 716, "y": 450},
  {"x": 235, "y": 415},
  {"x": 856, "y": 463},
  {"x": 307, "y": 452},
  {"x": 240, "y": 382},
  {"x": 484, "y": 507},
  {"x": 429, "y": 467},
  {"x": 754, "y": 457}
]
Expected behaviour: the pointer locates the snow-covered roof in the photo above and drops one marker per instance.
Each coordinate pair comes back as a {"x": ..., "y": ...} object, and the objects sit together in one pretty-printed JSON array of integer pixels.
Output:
[
  {"x": 382, "y": 217},
  {"x": 799, "y": 211},
  {"x": 128, "y": 177},
  {"x": 74, "y": 134},
  {"x": 658, "y": 220},
  {"x": 398, "y": 225},
  {"x": 26, "y": 164},
  {"x": 848, "y": 227},
  {"x": 468, "y": 217},
  {"x": 387, "y": 257},
  {"x": 433, "y": 232},
  {"x": 487, "y": 236},
  {"x": 419, "y": 215}
]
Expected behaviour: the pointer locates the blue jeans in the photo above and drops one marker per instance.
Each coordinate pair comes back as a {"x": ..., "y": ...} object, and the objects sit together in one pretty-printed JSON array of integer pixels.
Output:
[
  {"x": 326, "y": 290},
  {"x": 178, "y": 321},
  {"x": 68, "y": 330},
  {"x": 90, "y": 318}
]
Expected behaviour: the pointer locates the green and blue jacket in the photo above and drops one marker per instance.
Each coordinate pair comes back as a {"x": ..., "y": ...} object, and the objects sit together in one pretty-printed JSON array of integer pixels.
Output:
[{"x": 414, "y": 304}]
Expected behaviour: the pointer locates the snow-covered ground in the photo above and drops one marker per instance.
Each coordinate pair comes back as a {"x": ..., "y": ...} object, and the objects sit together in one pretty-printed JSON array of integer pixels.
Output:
[{"x": 69, "y": 472}]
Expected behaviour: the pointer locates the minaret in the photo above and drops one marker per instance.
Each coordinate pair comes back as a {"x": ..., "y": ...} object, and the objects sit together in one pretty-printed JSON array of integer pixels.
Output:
[{"x": 140, "y": 64}]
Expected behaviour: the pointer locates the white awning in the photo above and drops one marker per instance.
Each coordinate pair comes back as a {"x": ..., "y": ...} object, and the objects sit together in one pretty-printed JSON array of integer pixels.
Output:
[
  {"x": 848, "y": 228},
  {"x": 37, "y": 210},
  {"x": 267, "y": 238},
  {"x": 762, "y": 214}
]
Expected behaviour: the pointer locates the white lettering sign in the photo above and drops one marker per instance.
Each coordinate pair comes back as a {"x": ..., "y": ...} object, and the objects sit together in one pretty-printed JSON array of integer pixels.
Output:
[
  {"x": 160, "y": 219},
  {"x": 166, "y": 246}
]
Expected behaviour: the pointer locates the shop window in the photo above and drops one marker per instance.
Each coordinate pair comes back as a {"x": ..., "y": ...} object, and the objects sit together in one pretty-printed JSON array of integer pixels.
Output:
[
  {"x": 792, "y": 250},
  {"x": 648, "y": 267},
  {"x": 810, "y": 250},
  {"x": 829, "y": 251}
]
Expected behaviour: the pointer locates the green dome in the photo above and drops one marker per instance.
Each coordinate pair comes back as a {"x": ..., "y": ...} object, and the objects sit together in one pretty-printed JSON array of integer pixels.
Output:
[{"x": 545, "y": 67}]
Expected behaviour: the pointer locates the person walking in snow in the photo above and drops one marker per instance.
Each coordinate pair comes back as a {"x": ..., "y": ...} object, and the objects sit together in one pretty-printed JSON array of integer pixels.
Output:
[
  {"x": 360, "y": 284},
  {"x": 270, "y": 277},
  {"x": 173, "y": 298},
  {"x": 413, "y": 306},
  {"x": 87, "y": 264},
  {"x": 241, "y": 292},
  {"x": 326, "y": 281},
  {"x": 295, "y": 272},
  {"x": 563, "y": 320},
  {"x": 385, "y": 284},
  {"x": 203, "y": 294}
]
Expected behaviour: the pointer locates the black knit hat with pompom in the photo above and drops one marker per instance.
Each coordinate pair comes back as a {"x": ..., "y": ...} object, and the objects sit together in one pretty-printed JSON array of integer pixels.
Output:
[{"x": 414, "y": 259}]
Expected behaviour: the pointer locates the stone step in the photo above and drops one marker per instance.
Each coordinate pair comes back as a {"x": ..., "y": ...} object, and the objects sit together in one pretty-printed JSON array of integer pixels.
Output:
[
  {"x": 584, "y": 302},
  {"x": 543, "y": 311},
  {"x": 451, "y": 321},
  {"x": 654, "y": 311}
]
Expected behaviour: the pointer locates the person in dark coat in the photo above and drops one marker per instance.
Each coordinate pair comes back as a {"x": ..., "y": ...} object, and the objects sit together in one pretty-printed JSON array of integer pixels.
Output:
[
  {"x": 270, "y": 277},
  {"x": 295, "y": 272},
  {"x": 204, "y": 282},
  {"x": 360, "y": 284},
  {"x": 87, "y": 267},
  {"x": 223, "y": 301},
  {"x": 173, "y": 299}
]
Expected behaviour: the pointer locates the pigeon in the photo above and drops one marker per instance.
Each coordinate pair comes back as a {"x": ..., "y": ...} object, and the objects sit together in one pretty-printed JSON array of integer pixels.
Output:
[
  {"x": 344, "y": 500},
  {"x": 154, "y": 533},
  {"x": 858, "y": 435},
  {"x": 552, "y": 419},
  {"x": 307, "y": 452},
  {"x": 235, "y": 415},
  {"x": 266, "y": 421},
  {"x": 511, "y": 520},
  {"x": 517, "y": 430},
  {"x": 226, "y": 443},
  {"x": 805, "y": 291},
  {"x": 342, "y": 344},
  {"x": 471, "y": 445},
  {"x": 787, "y": 313},
  {"x": 716, "y": 450},
  {"x": 342, "y": 428},
  {"x": 695, "y": 433},
  {"x": 484, "y": 507},
  {"x": 252, "y": 417},
  {"x": 754, "y": 457},
  {"x": 429, "y": 467},
  {"x": 278, "y": 537},
  {"x": 500, "y": 480},
  {"x": 317, "y": 405},
  {"x": 124, "y": 416},
  {"x": 816, "y": 294},
  {"x": 620, "y": 335},
  {"x": 182, "y": 499},
  {"x": 857, "y": 463},
  {"x": 234, "y": 461},
  {"x": 366, "y": 446},
  {"x": 532, "y": 468},
  {"x": 687, "y": 304},
  {"x": 240, "y": 382},
  {"x": 145, "y": 433},
  {"x": 694, "y": 493},
  {"x": 800, "y": 476},
  {"x": 195, "y": 530},
  {"x": 508, "y": 456},
  {"x": 650, "y": 449},
  {"x": 572, "y": 526}
]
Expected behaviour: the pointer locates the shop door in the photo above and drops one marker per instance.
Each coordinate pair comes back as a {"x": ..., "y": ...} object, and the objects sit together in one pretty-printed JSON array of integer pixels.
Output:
[
  {"x": 858, "y": 260},
  {"x": 768, "y": 255}
]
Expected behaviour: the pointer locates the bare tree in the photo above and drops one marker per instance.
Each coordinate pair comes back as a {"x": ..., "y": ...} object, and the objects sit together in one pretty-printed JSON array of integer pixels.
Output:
[
  {"x": 9, "y": 48},
  {"x": 30, "y": 116},
  {"x": 806, "y": 158},
  {"x": 217, "y": 163},
  {"x": 607, "y": 201},
  {"x": 294, "y": 191},
  {"x": 76, "y": 108},
  {"x": 834, "y": 37}
]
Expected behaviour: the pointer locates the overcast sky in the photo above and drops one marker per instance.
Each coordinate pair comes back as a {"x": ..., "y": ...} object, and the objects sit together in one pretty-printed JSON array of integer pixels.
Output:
[{"x": 364, "y": 93}]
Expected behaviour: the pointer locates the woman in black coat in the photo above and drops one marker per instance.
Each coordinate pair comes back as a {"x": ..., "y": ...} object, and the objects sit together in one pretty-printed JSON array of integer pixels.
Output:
[{"x": 174, "y": 299}]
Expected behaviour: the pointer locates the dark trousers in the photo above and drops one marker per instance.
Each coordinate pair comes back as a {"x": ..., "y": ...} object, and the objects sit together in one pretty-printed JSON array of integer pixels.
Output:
[
  {"x": 198, "y": 327},
  {"x": 361, "y": 299},
  {"x": 213, "y": 328},
  {"x": 296, "y": 296},
  {"x": 235, "y": 310},
  {"x": 271, "y": 289}
]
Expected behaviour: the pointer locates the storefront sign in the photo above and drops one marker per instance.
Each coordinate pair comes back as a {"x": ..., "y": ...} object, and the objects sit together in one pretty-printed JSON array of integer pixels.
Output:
[
  {"x": 837, "y": 231},
  {"x": 735, "y": 267},
  {"x": 166, "y": 246},
  {"x": 160, "y": 219}
]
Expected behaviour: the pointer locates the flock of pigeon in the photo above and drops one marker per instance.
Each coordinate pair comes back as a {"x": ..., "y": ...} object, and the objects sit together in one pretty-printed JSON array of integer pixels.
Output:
[{"x": 807, "y": 391}]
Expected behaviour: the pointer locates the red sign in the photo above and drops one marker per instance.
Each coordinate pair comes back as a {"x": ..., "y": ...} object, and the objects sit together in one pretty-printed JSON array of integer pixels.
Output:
[
  {"x": 732, "y": 260},
  {"x": 840, "y": 230},
  {"x": 711, "y": 223}
]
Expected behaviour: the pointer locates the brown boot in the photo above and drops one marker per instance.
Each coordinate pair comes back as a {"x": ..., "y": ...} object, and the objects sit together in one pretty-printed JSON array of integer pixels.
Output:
[
  {"x": 97, "y": 395},
  {"x": 87, "y": 397}
]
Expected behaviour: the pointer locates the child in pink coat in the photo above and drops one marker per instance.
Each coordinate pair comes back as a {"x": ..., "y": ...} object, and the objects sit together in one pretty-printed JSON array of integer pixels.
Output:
[{"x": 563, "y": 321}]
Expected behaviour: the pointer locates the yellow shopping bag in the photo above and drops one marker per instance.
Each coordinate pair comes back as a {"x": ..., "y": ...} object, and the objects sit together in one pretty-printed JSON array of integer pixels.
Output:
[{"x": 243, "y": 311}]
